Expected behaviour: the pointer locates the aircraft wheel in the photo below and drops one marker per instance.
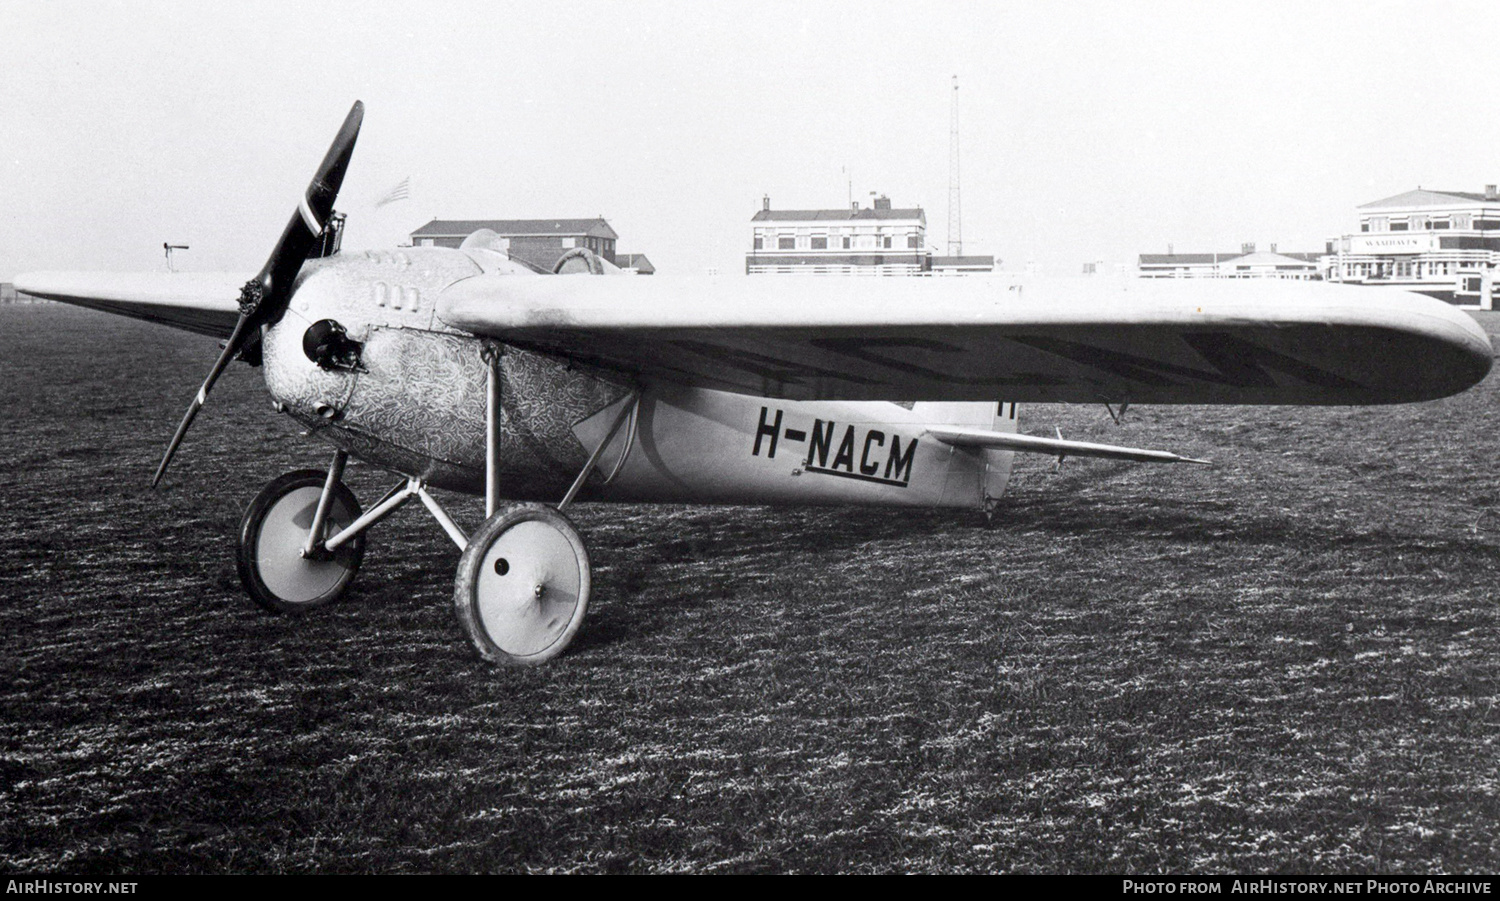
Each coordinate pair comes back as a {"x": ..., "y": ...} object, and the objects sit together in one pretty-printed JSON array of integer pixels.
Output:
[
  {"x": 523, "y": 585},
  {"x": 273, "y": 534}
]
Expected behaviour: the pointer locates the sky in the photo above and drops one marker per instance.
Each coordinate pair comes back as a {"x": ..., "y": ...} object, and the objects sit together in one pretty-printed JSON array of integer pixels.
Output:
[{"x": 1089, "y": 131}]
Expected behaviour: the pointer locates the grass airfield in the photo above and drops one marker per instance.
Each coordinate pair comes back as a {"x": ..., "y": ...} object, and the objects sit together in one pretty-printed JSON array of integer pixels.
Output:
[{"x": 1288, "y": 662}]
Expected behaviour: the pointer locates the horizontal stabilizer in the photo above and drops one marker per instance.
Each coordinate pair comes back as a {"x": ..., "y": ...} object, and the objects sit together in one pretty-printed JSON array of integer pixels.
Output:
[{"x": 1055, "y": 447}]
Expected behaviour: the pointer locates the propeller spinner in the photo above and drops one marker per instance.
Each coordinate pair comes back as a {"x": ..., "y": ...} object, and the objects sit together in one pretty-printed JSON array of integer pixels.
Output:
[{"x": 266, "y": 296}]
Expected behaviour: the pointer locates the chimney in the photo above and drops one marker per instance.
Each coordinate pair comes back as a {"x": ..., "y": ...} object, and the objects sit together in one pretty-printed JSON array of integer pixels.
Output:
[
  {"x": 765, "y": 202},
  {"x": 854, "y": 205},
  {"x": 882, "y": 202},
  {"x": 1273, "y": 248},
  {"x": 1169, "y": 249},
  {"x": 1248, "y": 247},
  {"x": 1489, "y": 193}
]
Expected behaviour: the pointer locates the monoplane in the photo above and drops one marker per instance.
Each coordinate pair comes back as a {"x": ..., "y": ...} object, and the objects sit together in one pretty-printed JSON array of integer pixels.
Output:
[{"x": 463, "y": 369}]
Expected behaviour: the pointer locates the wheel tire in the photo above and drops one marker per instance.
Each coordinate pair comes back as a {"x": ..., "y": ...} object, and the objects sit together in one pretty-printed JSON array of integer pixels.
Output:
[
  {"x": 522, "y": 588},
  {"x": 272, "y": 535}
]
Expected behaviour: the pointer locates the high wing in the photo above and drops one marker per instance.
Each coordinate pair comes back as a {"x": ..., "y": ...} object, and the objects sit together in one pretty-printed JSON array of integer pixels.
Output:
[
  {"x": 1066, "y": 340},
  {"x": 202, "y": 302}
]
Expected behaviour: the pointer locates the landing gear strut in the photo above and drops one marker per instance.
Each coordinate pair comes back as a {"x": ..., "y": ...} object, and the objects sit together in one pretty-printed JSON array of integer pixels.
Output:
[
  {"x": 271, "y": 560},
  {"x": 522, "y": 587}
]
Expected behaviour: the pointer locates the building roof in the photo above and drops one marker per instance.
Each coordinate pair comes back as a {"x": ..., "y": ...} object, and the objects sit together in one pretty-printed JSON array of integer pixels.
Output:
[
  {"x": 836, "y": 215},
  {"x": 988, "y": 260},
  {"x": 1262, "y": 258},
  {"x": 1420, "y": 197},
  {"x": 458, "y": 228},
  {"x": 1267, "y": 258},
  {"x": 634, "y": 261},
  {"x": 1186, "y": 259}
]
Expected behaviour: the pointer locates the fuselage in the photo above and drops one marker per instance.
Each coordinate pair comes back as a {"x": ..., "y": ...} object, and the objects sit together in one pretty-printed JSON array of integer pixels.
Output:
[{"x": 402, "y": 390}]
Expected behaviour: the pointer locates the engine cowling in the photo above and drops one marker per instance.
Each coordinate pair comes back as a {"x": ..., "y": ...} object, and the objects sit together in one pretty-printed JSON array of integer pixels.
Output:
[{"x": 361, "y": 359}]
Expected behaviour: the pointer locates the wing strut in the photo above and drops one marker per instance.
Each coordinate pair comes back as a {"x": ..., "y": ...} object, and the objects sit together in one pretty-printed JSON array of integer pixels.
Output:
[{"x": 627, "y": 410}]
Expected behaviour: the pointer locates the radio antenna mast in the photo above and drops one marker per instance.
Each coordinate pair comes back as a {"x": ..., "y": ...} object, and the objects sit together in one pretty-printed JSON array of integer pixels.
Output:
[{"x": 955, "y": 214}]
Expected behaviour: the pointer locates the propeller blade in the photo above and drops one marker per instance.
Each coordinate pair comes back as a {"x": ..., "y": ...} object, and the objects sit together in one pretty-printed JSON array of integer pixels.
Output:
[
  {"x": 267, "y": 294},
  {"x": 265, "y": 297},
  {"x": 230, "y": 349}
]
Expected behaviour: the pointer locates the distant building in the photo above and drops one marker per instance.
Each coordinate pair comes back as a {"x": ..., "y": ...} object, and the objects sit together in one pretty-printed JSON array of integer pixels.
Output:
[
  {"x": 1445, "y": 244},
  {"x": 1247, "y": 263},
  {"x": 880, "y": 240},
  {"x": 964, "y": 265},
  {"x": 9, "y": 294},
  {"x": 540, "y": 242},
  {"x": 635, "y": 262}
]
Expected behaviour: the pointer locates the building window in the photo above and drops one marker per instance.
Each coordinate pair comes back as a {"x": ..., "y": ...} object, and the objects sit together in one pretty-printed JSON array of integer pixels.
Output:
[
  {"x": 1461, "y": 221},
  {"x": 1364, "y": 226},
  {"x": 819, "y": 243},
  {"x": 759, "y": 243},
  {"x": 786, "y": 243},
  {"x": 846, "y": 242},
  {"x": 886, "y": 241},
  {"x": 1438, "y": 224},
  {"x": 911, "y": 241},
  {"x": 1486, "y": 224},
  {"x": 1398, "y": 226}
]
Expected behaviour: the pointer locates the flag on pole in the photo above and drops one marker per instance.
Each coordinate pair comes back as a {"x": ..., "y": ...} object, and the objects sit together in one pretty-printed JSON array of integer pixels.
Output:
[{"x": 401, "y": 191}]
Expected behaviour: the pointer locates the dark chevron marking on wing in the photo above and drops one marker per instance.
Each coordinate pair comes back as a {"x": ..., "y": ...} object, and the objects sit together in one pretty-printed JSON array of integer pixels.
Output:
[
  {"x": 1123, "y": 365},
  {"x": 769, "y": 368},
  {"x": 862, "y": 349},
  {"x": 1237, "y": 363},
  {"x": 1242, "y": 362}
]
